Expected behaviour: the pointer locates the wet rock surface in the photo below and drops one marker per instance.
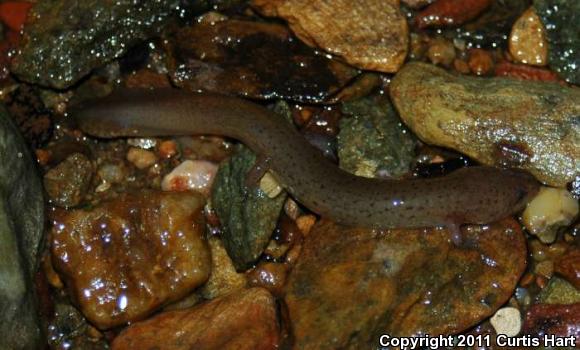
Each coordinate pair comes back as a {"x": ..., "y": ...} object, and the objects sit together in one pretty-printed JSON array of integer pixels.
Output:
[
  {"x": 244, "y": 320},
  {"x": 528, "y": 43},
  {"x": 252, "y": 59},
  {"x": 65, "y": 39},
  {"x": 21, "y": 236},
  {"x": 559, "y": 320},
  {"x": 67, "y": 183},
  {"x": 503, "y": 122},
  {"x": 568, "y": 266},
  {"x": 372, "y": 141},
  {"x": 248, "y": 216},
  {"x": 125, "y": 258},
  {"x": 560, "y": 17},
  {"x": 369, "y": 34},
  {"x": 404, "y": 282}
]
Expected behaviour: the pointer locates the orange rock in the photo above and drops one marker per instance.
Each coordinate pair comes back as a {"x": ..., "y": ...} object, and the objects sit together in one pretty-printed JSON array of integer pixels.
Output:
[
  {"x": 525, "y": 72},
  {"x": 123, "y": 259},
  {"x": 369, "y": 34},
  {"x": 528, "y": 43},
  {"x": 13, "y": 14},
  {"x": 480, "y": 62},
  {"x": 245, "y": 320},
  {"x": 450, "y": 13}
]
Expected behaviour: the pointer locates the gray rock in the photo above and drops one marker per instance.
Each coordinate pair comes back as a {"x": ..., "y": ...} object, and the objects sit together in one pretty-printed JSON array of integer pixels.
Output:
[
  {"x": 21, "y": 232},
  {"x": 66, "y": 39}
]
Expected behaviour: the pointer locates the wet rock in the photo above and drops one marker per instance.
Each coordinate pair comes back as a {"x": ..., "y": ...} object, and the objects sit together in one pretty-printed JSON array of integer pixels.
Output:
[
  {"x": 224, "y": 278},
  {"x": 568, "y": 266},
  {"x": 552, "y": 210},
  {"x": 245, "y": 320},
  {"x": 369, "y": 34},
  {"x": 527, "y": 42},
  {"x": 480, "y": 62},
  {"x": 68, "y": 329},
  {"x": 247, "y": 214},
  {"x": 141, "y": 158},
  {"x": 252, "y": 59},
  {"x": 525, "y": 72},
  {"x": 30, "y": 114},
  {"x": 450, "y": 13},
  {"x": 560, "y": 17},
  {"x": 441, "y": 52},
  {"x": 21, "y": 235},
  {"x": 417, "y": 3},
  {"x": 559, "y": 320},
  {"x": 404, "y": 282},
  {"x": 372, "y": 141},
  {"x": 508, "y": 321},
  {"x": 64, "y": 40},
  {"x": 67, "y": 183},
  {"x": 123, "y": 259},
  {"x": 558, "y": 291},
  {"x": 196, "y": 175},
  {"x": 504, "y": 122}
]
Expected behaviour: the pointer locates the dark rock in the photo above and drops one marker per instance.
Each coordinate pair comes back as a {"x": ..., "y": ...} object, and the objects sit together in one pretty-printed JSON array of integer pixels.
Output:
[
  {"x": 248, "y": 215},
  {"x": 64, "y": 40},
  {"x": 21, "y": 235}
]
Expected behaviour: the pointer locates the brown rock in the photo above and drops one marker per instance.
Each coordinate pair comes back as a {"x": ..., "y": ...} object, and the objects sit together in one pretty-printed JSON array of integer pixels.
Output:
[
  {"x": 369, "y": 34},
  {"x": 450, "y": 13},
  {"x": 123, "y": 259},
  {"x": 560, "y": 320},
  {"x": 415, "y": 4},
  {"x": 242, "y": 320},
  {"x": 528, "y": 43},
  {"x": 351, "y": 285},
  {"x": 480, "y": 62},
  {"x": 568, "y": 266},
  {"x": 67, "y": 183}
]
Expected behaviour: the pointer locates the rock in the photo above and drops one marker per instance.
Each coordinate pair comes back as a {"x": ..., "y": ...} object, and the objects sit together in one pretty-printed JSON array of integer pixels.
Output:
[
  {"x": 551, "y": 210},
  {"x": 372, "y": 142},
  {"x": 558, "y": 291},
  {"x": 224, "y": 278},
  {"x": 450, "y": 13},
  {"x": 480, "y": 62},
  {"x": 415, "y": 4},
  {"x": 568, "y": 266},
  {"x": 441, "y": 52},
  {"x": 271, "y": 276},
  {"x": 196, "y": 175},
  {"x": 248, "y": 215},
  {"x": 527, "y": 42},
  {"x": 123, "y": 259},
  {"x": 504, "y": 122},
  {"x": 69, "y": 329},
  {"x": 64, "y": 40},
  {"x": 525, "y": 72},
  {"x": 351, "y": 285},
  {"x": 559, "y": 320},
  {"x": 141, "y": 158},
  {"x": 508, "y": 321},
  {"x": 67, "y": 183},
  {"x": 245, "y": 320},
  {"x": 369, "y": 34},
  {"x": 560, "y": 18},
  {"x": 21, "y": 236},
  {"x": 253, "y": 59}
]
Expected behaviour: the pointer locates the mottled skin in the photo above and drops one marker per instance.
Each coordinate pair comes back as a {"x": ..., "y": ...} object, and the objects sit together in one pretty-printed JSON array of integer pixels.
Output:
[{"x": 474, "y": 195}]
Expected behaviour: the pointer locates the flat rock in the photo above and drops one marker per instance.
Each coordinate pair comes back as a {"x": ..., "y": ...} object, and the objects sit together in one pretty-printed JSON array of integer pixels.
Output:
[
  {"x": 529, "y": 125},
  {"x": 352, "y": 285},
  {"x": 21, "y": 235},
  {"x": 123, "y": 259},
  {"x": 369, "y": 34},
  {"x": 244, "y": 320}
]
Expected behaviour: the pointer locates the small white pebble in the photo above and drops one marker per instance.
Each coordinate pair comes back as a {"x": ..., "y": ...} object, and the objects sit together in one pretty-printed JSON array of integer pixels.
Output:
[
  {"x": 508, "y": 321},
  {"x": 270, "y": 186},
  {"x": 550, "y": 210},
  {"x": 141, "y": 158},
  {"x": 191, "y": 175}
]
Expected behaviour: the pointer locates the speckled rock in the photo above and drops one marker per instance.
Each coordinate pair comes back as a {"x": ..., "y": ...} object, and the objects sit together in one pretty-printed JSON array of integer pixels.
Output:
[
  {"x": 247, "y": 214},
  {"x": 372, "y": 142},
  {"x": 560, "y": 17},
  {"x": 369, "y": 34},
  {"x": 65, "y": 39},
  {"x": 497, "y": 121},
  {"x": 123, "y": 259},
  {"x": 21, "y": 234},
  {"x": 245, "y": 320},
  {"x": 67, "y": 183},
  {"x": 528, "y": 43}
]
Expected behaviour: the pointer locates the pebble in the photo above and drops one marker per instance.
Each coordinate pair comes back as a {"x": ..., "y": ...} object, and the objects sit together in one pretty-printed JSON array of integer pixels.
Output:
[
  {"x": 123, "y": 259},
  {"x": 441, "y": 52},
  {"x": 224, "y": 278},
  {"x": 480, "y": 62},
  {"x": 270, "y": 186},
  {"x": 528, "y": 43},
  {"x": 141, "y": 158},
  {"x": 68, "y": 182},
  {"x": 197, "y": 175},
  {"x": 271, "y": 276},
  {"x": 508, "y": 321},
  {"x": 551, "y": 210}
]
